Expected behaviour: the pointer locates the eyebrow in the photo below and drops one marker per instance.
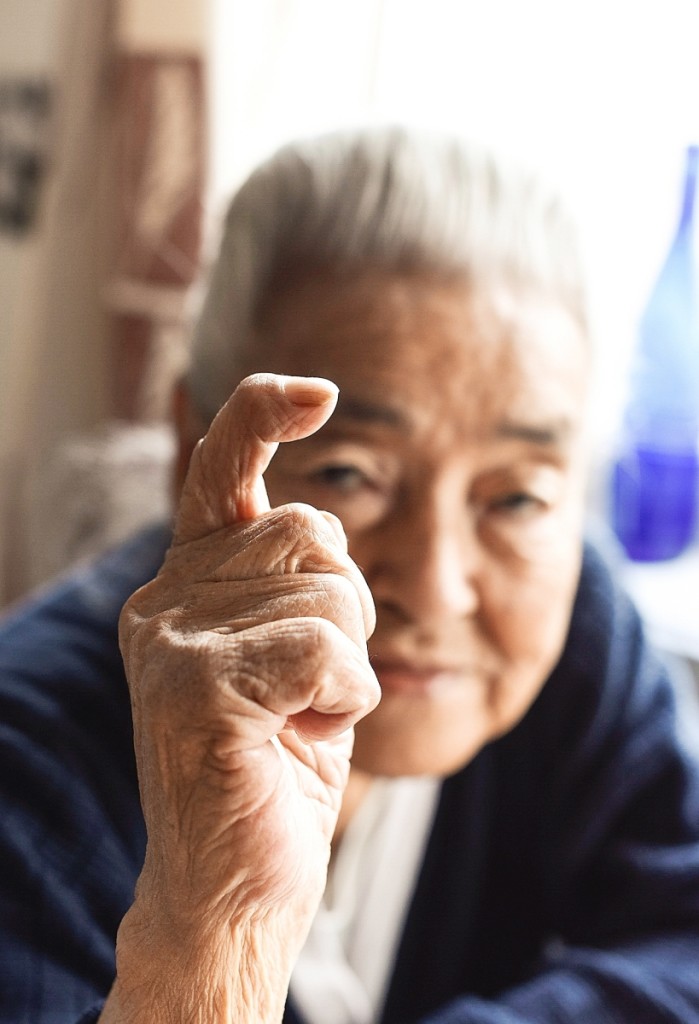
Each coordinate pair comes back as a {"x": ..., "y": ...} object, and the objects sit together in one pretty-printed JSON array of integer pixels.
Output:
[
  {"x": 545, "y": 435},
  {"x": 371, "y": 412}
]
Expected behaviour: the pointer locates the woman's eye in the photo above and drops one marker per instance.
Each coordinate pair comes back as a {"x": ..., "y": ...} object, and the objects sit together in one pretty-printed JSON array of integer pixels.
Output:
[
  {"x": 343, "y": 478},
  {"x": 518, "y": 502}
]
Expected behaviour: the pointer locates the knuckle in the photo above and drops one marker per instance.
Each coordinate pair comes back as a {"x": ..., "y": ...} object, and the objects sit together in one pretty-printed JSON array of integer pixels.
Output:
[
  {"x": 152, "y": 644},
  {"x": 340, "y": 593},
  {"x": 160, "y": 655},
  {"x": 319, "y": 637},
  {"x": 128, "y": 622},
  {"x": 254, "y": 383},
  {"x": 132, "y": 618},
  {"x": 325, "y": 596},
  {"x": 288, "y": 539},
  {"x": 296, "y": 517},
  {"x": 304, "y": 525},
  {"x": 337, "y": 530},
  {"x": 256, "y": 406}
]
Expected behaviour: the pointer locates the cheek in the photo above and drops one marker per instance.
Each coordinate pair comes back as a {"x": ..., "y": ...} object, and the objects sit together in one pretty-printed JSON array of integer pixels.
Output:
[
  {"x": 529, "y": 586},
  {"x": 529, "y": 631},
  {"x": 540, "y": 542},
  {"x": 528, "y": 615}
]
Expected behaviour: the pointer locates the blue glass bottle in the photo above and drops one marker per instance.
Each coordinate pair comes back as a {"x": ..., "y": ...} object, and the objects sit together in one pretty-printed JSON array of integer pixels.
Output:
[{"x": 655, "y": 477}]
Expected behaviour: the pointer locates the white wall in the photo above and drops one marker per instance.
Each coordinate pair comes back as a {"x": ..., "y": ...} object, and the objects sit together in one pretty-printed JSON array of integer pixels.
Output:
[
  {"x": 27, "y": 47},
  {"x": 54, "y": 326},
  {"x": 603, "y": 95},
  {"x": 28, "y": 32},
  {"x": 52, "y": 358}
]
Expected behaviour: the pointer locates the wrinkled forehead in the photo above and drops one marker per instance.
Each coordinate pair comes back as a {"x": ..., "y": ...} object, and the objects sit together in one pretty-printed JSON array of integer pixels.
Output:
[{"x": 416, "y": 340}]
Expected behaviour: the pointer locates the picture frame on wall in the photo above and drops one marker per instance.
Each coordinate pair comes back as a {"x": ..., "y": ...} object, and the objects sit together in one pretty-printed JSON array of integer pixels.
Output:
[{"x": 24, "y": 118}]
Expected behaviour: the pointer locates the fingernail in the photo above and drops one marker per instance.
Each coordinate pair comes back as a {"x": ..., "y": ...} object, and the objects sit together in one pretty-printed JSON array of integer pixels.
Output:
[{"x": 310, "y": 390}]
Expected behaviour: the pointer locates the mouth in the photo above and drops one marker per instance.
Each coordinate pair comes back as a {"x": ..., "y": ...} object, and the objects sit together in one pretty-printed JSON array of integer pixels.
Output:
[{"x": 415, "y": 680}]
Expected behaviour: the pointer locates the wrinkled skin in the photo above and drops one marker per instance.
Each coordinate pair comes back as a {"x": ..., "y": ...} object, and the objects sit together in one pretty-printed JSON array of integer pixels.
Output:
[{"x": 247, "y": 663}]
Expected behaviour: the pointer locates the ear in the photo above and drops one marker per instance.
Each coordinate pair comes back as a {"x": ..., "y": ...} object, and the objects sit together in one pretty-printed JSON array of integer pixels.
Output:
[{"x": 190, "y": 427}]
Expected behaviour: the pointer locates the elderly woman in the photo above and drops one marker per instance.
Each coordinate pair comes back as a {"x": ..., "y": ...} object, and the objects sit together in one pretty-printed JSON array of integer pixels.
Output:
[{"x": 389, "y": 505}]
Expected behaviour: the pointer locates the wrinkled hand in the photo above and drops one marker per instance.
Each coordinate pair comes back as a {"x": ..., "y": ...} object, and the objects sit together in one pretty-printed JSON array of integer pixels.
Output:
[{"x": 247, "y": 666}]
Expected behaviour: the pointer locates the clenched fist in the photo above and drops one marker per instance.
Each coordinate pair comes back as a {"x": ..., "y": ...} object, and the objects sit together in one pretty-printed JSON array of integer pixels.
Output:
[{"x": 247, "y": 666}]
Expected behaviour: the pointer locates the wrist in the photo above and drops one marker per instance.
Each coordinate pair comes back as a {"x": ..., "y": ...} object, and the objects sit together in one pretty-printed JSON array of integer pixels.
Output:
[{"x": 239, "y": 973}]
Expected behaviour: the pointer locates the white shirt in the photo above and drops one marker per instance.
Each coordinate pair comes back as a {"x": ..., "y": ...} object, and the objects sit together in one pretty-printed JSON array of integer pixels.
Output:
[{"x": 343, "y": 971}]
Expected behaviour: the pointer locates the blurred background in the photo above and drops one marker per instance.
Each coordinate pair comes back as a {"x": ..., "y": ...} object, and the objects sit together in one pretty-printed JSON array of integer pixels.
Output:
[{"x": 125, "y": 125}]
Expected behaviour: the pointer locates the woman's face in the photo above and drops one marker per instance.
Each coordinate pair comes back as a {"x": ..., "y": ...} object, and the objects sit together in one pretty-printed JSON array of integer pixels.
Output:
[{"x": 455, "y": 463}]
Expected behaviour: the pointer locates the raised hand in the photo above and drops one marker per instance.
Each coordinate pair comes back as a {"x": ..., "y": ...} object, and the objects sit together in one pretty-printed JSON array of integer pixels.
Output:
[{"x": 247, "y": 666}]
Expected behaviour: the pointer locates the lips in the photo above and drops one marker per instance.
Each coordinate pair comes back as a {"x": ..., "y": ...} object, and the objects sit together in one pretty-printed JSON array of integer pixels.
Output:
[{"x": 410, "y": 679}]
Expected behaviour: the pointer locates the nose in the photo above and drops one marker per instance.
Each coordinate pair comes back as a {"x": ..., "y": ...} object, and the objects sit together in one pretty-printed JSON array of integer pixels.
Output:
[{"x": 426, "y": 562}]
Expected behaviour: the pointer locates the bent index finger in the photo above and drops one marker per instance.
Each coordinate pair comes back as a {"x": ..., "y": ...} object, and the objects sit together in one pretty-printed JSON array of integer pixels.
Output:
[{"x": 224, "y": 483}]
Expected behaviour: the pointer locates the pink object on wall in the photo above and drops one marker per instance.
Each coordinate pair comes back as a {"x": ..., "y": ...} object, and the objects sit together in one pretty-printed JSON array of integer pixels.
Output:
[{"x": 159, "y": 178}]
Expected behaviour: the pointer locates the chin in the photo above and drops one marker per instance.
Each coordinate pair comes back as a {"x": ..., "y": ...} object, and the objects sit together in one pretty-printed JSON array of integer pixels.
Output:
[{"x": 397, "y": 739}]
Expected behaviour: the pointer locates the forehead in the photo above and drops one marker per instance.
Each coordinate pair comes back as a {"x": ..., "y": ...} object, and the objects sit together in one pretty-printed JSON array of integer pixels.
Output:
[{"x": 423, "y": 348}]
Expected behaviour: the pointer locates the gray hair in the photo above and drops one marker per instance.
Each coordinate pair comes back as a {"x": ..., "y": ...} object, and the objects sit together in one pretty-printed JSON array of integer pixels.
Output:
[{"x": 388, "y": 198}]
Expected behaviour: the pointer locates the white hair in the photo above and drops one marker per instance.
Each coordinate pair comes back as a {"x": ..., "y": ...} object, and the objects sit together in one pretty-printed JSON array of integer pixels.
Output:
[{"x": 388, "y": 198}]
